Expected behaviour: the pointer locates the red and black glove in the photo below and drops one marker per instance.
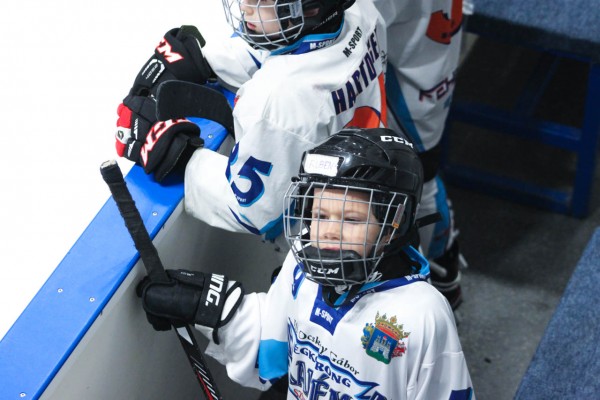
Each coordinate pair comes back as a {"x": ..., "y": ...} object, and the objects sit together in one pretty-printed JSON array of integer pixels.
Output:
[
  {"x": 178, "y": 56},
  {"x": 169, "y": 146}
]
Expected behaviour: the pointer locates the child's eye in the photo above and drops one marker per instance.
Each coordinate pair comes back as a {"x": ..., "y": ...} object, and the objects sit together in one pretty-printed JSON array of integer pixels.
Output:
[
  {"x": 318, "y": 215},
  {"x": 354, "y": 220}
]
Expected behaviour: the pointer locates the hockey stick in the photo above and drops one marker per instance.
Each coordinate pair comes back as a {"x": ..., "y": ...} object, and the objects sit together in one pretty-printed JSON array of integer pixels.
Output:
[
  {"x": 112, "y": 175},
  {"x": 179, "y": 99}
]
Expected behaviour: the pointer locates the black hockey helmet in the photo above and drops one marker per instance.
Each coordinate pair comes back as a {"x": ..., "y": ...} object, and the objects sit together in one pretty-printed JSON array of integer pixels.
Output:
[
  {"x": 294, "y": 18},
  {"x": 379, "y": 163}
]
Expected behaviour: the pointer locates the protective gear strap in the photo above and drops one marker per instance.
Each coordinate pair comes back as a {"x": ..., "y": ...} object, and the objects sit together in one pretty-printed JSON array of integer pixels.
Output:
[
  {"x": 212, "y": 300},
  {"x": 428, "y": 219},
  {"x": 331, "y": 296},
  {"x": 397, "y": 265},
  {"x": 412, "y": 237},
  {"x": 431, "y": 160},
  {"x": 233, "y": 299}
]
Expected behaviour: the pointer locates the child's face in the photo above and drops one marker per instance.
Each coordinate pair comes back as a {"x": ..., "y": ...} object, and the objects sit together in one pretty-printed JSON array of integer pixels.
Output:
[
  {"x": 340, "y": 224},
  {"x": 260, "y": 16}
]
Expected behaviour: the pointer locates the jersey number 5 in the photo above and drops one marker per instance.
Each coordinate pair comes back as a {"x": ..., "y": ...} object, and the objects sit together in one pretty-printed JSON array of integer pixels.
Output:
[{"x": 250, "y": 171}]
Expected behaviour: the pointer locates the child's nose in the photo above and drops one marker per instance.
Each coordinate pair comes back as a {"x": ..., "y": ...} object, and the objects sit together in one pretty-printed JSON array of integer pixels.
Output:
[{"x": 330, "y": 230}]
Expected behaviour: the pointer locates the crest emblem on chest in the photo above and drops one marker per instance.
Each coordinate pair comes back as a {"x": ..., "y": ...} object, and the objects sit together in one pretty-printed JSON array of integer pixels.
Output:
[{"x": 383, "y": 340}]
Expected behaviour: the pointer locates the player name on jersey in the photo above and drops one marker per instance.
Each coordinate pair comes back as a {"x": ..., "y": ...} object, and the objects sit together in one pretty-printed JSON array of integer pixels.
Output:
[{"x": 345, "y": 97}]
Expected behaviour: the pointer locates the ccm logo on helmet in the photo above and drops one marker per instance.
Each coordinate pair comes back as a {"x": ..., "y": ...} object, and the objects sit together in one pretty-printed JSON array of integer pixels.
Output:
[
  {"x": 396, "y": 139},
  {"x": 323, "y": 270}
]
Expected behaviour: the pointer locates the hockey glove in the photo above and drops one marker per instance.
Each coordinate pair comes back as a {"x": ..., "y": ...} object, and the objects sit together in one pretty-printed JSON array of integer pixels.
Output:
[
  {"x": 178, "y": 56},
  {"x": 190, "y": 297},
  {"x": 169, "y": 146}
]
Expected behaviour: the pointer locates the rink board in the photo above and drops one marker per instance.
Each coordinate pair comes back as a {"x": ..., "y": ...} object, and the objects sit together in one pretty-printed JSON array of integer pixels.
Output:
[{"x": 84, "y": 335}]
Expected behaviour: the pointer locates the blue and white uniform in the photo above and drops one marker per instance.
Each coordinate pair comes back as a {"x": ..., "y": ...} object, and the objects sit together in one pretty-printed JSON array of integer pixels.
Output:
[
  {"x": 286, "y": 104},
  {"x": 395, "y": 339}
]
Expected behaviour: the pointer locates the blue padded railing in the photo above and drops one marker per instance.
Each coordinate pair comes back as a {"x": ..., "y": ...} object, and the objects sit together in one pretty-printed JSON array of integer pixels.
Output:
[
  {"x": 46, "y": 333},
  {"x": 52, "y": 325}
]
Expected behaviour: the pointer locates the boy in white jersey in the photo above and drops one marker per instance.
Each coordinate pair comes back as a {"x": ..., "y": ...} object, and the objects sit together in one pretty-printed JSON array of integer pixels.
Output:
[
  {"x": 351, "y": 314},
  {"x": 304, "y": 69}
]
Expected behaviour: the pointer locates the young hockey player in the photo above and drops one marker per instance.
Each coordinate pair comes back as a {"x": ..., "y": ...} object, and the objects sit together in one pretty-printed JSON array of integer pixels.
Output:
[
  {"x": 351, "y": 314},
  {"x": 316, "y": 63},
  {"x": 424, "y": 43},
  {"x": 304, "y": 68}
]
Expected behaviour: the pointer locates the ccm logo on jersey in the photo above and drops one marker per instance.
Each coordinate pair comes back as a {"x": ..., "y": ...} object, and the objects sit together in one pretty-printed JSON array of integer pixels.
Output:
[
  {"x": 215, "y": 289},
  {"x": 397, "y": 140}
]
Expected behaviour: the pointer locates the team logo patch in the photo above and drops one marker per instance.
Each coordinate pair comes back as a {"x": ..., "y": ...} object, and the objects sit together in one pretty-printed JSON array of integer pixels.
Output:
[
  {"x": 442, "y": 27},
  {"x": 383, "y": 339}
]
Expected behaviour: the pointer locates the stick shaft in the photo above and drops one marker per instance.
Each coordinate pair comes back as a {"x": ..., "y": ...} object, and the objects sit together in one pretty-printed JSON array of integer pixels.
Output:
[{"x": 112, "y": 175}]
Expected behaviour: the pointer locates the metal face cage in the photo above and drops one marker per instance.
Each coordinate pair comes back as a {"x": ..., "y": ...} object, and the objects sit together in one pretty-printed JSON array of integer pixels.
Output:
[
  {"x": 339, "y": 232},
  {"x": 265, "y": 24}
]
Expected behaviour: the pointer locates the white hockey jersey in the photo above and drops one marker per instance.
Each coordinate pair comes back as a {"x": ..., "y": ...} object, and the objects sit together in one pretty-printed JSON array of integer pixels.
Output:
[
  {"x": 286, "y": 104},
  {"x": 424, "y": 39},
  {"x": 395, "y": 339}
]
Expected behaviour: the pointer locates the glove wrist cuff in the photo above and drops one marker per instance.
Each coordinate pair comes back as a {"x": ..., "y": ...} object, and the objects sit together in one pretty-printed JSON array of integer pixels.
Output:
[{"x": 212, "y": 300}]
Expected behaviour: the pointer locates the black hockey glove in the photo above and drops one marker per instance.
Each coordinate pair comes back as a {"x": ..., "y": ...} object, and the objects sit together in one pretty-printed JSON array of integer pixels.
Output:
[
  {"x": 190, "y": 297},
  {"x": 169, "y": 146},
  {"x": 178, "y": 56}
]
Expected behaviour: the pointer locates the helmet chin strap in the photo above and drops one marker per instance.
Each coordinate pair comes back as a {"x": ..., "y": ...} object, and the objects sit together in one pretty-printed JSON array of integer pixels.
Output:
[
  {"x": 330, "y": 295},
  {"x": 393, "y": 265}
]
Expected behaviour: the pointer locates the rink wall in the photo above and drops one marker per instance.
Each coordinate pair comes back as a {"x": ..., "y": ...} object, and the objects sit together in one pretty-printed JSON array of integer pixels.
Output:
[
  {"x": 57, "y": 319},
  {"x": 85, "y": 336}
]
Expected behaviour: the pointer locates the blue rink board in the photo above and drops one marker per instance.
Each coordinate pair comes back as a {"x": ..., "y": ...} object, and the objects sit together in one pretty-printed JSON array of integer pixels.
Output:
[
  {"x": 54, "y": 322},
  {"x": 57, "y": 318}
]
